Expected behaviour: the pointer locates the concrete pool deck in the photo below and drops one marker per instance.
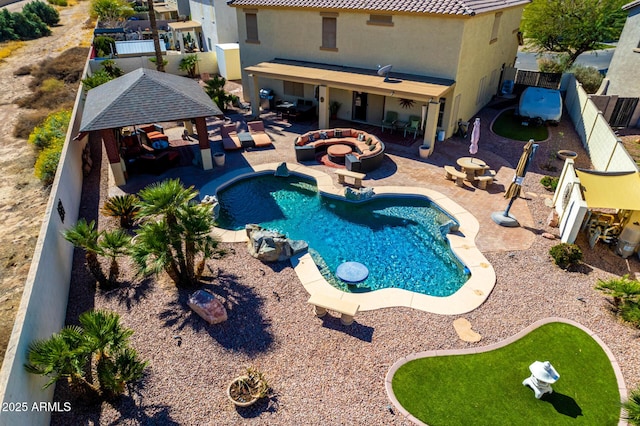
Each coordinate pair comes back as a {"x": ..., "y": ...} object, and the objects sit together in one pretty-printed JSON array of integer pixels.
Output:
[{"x": 471, "y": 295}]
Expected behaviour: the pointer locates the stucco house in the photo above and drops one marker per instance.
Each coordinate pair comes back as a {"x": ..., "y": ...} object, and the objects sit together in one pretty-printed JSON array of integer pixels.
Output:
[
  {"x": 218, "y": 20},
  {"x": 625, "y": 63},
  {"x": 447, "y": 56}
]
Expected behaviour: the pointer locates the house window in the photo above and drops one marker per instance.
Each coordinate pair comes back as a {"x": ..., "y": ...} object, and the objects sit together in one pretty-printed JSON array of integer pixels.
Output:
[
  {"x": 251, "y": 19},
  {"x": 383, "y": 20},
  {"x": 329, "y": 25},
  {"x": 496, "y": 27},
  {"x": 293, "y": 89},
  {"x": 481, "y": 90}
]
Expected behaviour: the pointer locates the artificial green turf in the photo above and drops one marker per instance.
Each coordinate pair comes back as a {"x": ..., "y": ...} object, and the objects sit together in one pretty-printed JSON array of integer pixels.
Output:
[
  {"x": 486, "y": 388},
  {"x": 509, "y": 126}
]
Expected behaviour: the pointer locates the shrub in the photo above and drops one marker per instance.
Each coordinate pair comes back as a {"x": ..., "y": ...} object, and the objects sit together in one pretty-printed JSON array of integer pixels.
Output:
[
  {"x": 589, "y": 77},
  {"x": 550, "y": 182},
  {"x": 189, "y": 64},
  {"x": 53, "y": 130},
  {"x": 6, "y": 26},
  {"x": 29, "y": 26},
  {"x": 27, "y": 122},
  {"x": 124, "y": 207},
  {"x": 47, "y": 164},
  {"x": 566, "y": 255},
  {"x": 23, "y": 70},
  {"x": 46, "y": 13},
  {"x": 104, "y": 46},
  {"x": 65, "y": 67},
  {"x": 632, "y": 407},
  {"x": 555, "y": 64},
  {"x": 215, "y": 89},
  {"x": 59, "y": 2}
]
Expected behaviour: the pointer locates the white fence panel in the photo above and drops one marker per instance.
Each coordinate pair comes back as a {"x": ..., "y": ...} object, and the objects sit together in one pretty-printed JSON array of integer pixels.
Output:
[{"x": 207, "y": 63}]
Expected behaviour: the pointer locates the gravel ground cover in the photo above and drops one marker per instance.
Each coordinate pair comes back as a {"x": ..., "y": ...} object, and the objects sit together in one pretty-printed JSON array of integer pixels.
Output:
[{"x": 320, "y": 371}]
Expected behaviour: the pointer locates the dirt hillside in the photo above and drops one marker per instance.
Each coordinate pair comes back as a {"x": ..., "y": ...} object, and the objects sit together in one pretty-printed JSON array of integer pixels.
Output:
[{"x": 22, "y": 197}]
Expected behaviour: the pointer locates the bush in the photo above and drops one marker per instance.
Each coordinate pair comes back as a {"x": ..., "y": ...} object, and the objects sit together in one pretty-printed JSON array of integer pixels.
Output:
[
  {"x": 550, "y": 182},
  {"x": 65, "y": 67},
  {"x": 53, "y": 130},
  {"x": 47, "y": 164},
  {"x": 46, "y": 13},
  {"x": 555, "y": 64},
  {"x": 104, "y": 46},
  {"x": 59, "y": 2},
  {"x": 23, "y": 70},
  {"x": 632, "y": 407},
  {"x": 27, "y": 122},
  {"x": 589, "y": 77},
  {"x": 189, "y": 64},
  {"x": 28, "y": 26},
  {"x": 566, "y": 255},
  {"x": 6, "y": 26}
]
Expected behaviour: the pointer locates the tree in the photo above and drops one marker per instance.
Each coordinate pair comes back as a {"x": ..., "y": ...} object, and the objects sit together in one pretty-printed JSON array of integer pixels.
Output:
[
  {"x": 46, "y": 12},
  {"x": 215, "y": 89},
  {"x": 28, "y": 26},
  {"x": 124, "y": 207},
  {"x": 113, "y": 245},
  {"x": 175, "y": 233},
  {"x": 572, "y": 27},
  {"x": 112, "y": 13},
  {"x": 189, "y": 64},
  {"x": 6, "y": 26},
  {"x": 154, "y": 36},
  {"x": 95, "y": 356}
]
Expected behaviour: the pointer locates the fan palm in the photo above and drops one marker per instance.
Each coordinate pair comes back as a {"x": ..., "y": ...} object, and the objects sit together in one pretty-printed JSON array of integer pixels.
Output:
[
  {"x": 85, "y": 235},
  {"x": 174, "y": 232},
  {"x": 100, "y": 345},
  {"x": 622, "y": 290},
  {"x": 632, "y": 407},
  {"x": 115, "y": 244},
  {"x": 124, "y": 207}
]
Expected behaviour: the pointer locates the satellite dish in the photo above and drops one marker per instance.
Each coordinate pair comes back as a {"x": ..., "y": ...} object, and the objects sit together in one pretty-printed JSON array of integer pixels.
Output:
[{"x": 384, "y": 71}]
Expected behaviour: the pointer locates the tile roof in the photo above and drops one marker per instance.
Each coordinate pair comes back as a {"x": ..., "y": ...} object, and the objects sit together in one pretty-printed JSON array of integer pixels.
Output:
[
  {"x": 145, "y": 96},
  {"x": 444, "y": 7}
]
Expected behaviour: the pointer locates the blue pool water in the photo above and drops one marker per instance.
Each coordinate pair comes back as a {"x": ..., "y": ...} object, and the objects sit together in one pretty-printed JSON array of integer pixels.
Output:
[{"x": 399, "y": 239}]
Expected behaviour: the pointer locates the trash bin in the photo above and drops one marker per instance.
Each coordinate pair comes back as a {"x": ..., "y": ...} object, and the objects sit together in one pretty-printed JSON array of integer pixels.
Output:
[{"x": 267, "y": 101}]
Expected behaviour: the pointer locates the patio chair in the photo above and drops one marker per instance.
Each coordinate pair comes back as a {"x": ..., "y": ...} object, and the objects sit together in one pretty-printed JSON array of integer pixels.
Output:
[
  {"x": 390, "y": 120},
  {"x": 413, "y": 126},
  {"x": 230, "y": 140},
  {"x": 260, "y": 137}
]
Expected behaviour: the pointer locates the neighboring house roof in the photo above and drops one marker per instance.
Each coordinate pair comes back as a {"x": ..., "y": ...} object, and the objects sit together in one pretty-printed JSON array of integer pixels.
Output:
[
  {"x": 145, "y": 96},
  {"x": 352, "y": 78},
  {"x": 631, "y": 5},
  {"x": 444, "y": 7},
  {"x": 137, "y": 48}
]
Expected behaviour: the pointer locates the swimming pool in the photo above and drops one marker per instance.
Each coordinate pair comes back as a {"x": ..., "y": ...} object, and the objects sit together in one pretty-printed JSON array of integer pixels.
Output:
[{"x": 400, "y": 239}]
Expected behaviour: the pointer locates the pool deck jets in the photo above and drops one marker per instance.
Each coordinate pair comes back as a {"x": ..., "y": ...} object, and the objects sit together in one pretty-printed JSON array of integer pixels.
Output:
[{"x": 470, "y": 296}]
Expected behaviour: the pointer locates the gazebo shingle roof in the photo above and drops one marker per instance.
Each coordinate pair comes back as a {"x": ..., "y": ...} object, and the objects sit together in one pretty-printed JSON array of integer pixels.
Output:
[
  {"x": 444, "y": 7},
  {"x": 145, "y": 96}
]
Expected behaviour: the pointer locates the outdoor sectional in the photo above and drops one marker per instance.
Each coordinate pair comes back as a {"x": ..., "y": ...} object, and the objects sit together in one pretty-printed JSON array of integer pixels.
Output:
[{"x": 367, "y": 154}]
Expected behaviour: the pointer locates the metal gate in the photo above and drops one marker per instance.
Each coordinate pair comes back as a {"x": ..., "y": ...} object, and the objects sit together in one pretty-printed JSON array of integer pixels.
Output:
[
  {"x": 622, "y": 112},
  {"x": 546, "y": 80}
]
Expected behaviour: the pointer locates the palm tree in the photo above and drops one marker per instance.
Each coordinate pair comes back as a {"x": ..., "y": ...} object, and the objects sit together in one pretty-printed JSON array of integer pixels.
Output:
[
  {"x": 622, "y": 290},
  {"x": 115, "y": 244},
  {"x": 124, "y": 207},
  {"x": 100, "y": 345},
  {"x": 174, "y": 232},
  {"x": 85, "y": 235},
  {"x": 59, "y": 357},
  {"x": 632, "y": 407}
]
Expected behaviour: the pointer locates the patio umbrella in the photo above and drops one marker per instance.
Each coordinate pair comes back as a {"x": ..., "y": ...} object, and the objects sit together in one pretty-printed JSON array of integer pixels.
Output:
[
  {"x": 475, "y": 137},
  {"x": 513, "y": 192}
]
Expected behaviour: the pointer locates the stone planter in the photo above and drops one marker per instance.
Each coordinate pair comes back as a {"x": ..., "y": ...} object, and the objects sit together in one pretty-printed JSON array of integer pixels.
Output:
[{"x": 219, "y": 158}]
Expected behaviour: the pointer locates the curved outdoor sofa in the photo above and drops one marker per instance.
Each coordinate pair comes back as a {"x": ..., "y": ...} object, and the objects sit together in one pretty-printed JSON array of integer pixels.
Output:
[{"x": 367, "y": 154}]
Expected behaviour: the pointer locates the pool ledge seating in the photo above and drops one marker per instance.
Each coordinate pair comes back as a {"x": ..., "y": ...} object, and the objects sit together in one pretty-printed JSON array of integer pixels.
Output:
[{"x": 368, "y": 150}]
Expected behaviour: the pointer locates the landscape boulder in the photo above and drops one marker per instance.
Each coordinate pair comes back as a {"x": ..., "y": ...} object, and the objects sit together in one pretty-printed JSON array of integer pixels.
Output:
[
  {"x": 208, "y": 307},
  {"x": 272, "y": 246}
]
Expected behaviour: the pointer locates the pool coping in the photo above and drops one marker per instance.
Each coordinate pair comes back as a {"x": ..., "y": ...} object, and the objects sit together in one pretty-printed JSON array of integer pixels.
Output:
[
  {"x": 469, "y": 297},
  {"x": 622, "y": 388}
]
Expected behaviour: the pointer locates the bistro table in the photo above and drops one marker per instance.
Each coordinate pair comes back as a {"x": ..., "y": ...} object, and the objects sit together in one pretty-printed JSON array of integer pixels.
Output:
[{"x": 472, "y": 167}]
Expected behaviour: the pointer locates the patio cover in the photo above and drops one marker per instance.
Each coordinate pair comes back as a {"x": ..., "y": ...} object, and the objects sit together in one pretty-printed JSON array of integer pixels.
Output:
[
  {"x": 357, "y": 79},
  {"x": 610, "y": 190},
  {"x": 145, "y": 96},
  {"x": 184, "y": 26}
]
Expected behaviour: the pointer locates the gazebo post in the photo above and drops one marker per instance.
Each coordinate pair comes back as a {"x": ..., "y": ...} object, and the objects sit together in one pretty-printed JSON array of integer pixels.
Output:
[
  {"x": 203, "y": 143},
  {"x": 115, "y": 162}
]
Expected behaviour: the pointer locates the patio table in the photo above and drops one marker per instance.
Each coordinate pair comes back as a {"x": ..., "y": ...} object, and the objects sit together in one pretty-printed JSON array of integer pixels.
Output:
[{"x": 472, "y": 166}]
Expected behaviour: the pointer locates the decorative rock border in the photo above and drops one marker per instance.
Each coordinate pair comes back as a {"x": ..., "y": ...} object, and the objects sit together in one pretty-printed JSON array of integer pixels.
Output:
[{"x": 392, "y": 370}]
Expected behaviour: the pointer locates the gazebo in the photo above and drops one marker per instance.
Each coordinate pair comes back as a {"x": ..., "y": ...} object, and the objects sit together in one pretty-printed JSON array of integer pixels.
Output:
[{"x": 146, "y": 96}]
